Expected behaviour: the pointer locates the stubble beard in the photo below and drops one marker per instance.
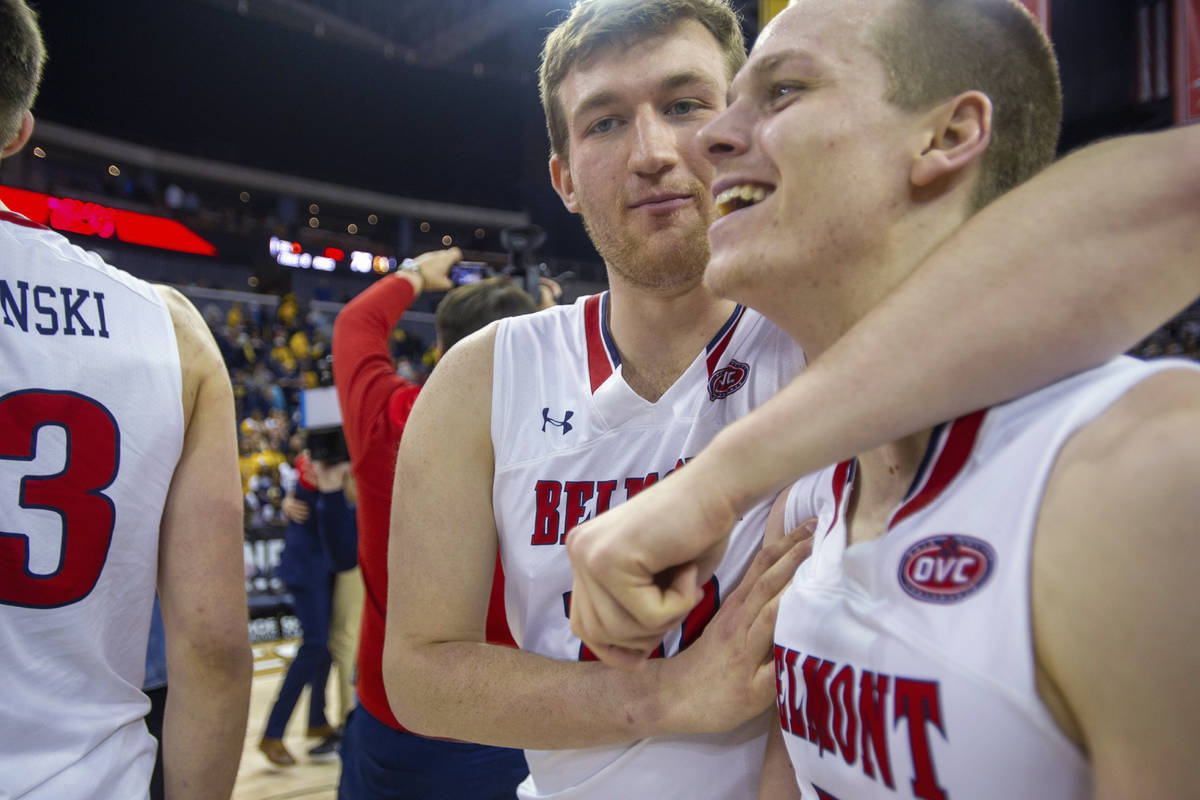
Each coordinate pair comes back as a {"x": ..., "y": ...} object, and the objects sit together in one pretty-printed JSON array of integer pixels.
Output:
[{"x": 670, "y": 259}]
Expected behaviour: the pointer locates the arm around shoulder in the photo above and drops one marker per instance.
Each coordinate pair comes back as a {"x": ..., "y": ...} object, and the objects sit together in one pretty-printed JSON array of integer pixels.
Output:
[
  {"x": 201, "y": 581},
  {"x": 1115, "y": 612}
]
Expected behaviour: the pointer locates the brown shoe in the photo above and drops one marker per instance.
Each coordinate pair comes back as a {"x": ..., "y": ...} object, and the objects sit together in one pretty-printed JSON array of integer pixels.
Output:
[
  {"x": 319, "y": 731},
  {"x": 275, "y": 752}
]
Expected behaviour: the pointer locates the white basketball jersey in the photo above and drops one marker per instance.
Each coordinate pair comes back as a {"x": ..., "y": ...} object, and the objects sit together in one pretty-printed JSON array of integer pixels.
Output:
[
  {"x": 905, "y": 665},
  {"x": 91, "y": 426},
  {"x": 572, "y": 439}
]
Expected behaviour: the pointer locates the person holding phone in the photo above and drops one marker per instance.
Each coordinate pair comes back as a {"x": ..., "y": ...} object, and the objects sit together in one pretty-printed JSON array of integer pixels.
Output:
[{"x": 380, "y": 757}]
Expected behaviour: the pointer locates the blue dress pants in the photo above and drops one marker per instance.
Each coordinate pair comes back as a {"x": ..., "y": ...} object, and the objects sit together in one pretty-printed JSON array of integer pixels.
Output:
[
  {"x": 311, "y": 665},
  {"x": 382, "y": 763}
]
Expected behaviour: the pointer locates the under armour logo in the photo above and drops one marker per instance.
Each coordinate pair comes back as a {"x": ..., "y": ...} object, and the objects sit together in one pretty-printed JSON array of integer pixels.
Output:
[{"x": 561, "y": 423}]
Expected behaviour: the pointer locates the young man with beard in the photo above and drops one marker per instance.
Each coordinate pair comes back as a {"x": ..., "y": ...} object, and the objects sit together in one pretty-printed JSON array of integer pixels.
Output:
[
  {"x": 560, "y": 415},
  {"x": 998, "y": 606}
]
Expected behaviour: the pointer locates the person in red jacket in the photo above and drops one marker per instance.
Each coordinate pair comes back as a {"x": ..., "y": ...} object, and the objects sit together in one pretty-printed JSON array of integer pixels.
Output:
[{"x": 380, "y": 758}]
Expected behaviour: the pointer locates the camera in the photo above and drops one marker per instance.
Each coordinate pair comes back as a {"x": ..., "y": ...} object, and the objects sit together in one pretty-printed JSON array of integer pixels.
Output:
[
  {"x": 327, "y": 445},
  {"x": 321, "y": 420},
  {"x": 520, "y": 241}
]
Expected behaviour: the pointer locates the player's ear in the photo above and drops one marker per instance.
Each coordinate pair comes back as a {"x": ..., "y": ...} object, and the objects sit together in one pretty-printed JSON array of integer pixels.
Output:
[
  {"x": 956, "y": 135},
  {"x": 22, "y": 136},
  {"x": 564, "y": 184}
]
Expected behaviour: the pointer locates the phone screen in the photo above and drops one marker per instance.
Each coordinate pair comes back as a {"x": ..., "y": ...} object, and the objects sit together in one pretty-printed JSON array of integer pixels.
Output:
[{"x": 468, "y": 272}]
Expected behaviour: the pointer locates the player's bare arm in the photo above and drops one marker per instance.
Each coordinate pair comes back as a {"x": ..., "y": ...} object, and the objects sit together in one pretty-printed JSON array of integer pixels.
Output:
[
  {"x": 1012, "y": 301},
  {"x": 1115, "y": 612},
  {"x": 445, "y": 680},
  {"x": 201, "y": 578}
]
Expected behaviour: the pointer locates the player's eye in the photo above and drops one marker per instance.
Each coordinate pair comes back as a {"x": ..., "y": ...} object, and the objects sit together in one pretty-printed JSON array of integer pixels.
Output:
[
  {"x": 604, "y": 125},
  {"x": 784, "y": 92},
  {"x": 682, "y": 108}
]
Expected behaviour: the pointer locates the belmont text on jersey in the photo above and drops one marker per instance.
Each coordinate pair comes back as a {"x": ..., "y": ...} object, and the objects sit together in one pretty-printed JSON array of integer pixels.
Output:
[
  {"x": 561, "y": 368},
  {"x": 561, "y": 505},
  {"x": 849, "y": 712},
  {"x": 52, "y": 311}
]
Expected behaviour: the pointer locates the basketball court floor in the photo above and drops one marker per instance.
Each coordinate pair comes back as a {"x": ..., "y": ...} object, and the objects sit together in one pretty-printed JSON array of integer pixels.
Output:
[{"x": 258, "y": 778}]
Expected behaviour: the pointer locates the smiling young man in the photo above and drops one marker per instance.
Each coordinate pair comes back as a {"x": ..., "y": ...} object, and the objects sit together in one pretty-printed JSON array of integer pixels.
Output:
[
  {"x": 563, "y": 414},
  {"x": 998, "y": 606},
  {"x": 1009, "y": 302}
]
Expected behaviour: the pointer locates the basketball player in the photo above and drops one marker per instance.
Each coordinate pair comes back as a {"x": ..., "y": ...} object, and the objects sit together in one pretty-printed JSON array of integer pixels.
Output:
[
  {"x": 1105, "y": 257},
  {"x": 118, "y": 471},
  {"x": 538, "y": 422},
  {"x": 443, "y": 677},
  {"x": 999, "y": 606}
]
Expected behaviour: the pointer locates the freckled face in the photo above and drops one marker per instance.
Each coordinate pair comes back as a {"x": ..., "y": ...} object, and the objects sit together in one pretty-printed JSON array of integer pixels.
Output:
[{"x": 635, "y": 170}]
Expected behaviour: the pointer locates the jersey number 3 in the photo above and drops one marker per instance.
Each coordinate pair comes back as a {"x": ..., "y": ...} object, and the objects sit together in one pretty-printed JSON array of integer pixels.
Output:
[{"x": 74, "y": 493}]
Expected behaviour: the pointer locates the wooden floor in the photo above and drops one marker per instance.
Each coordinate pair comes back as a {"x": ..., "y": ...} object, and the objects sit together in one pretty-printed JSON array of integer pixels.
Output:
[{"x": 259, "y": 779}]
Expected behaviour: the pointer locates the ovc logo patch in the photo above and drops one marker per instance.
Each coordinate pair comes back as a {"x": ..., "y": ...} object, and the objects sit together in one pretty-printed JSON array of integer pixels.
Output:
[{"x": 946, "y": 568}]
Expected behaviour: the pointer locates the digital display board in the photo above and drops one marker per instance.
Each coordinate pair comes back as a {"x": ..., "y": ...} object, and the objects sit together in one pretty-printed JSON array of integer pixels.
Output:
[
  {"x": 332, "y": 259},
  {"x": 94, "y": 219}
]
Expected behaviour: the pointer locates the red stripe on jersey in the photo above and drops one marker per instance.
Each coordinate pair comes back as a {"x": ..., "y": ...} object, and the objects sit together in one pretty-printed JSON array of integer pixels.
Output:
[
  {"x": 716, "y": 348},
  {"x": 959, "y": 441},
  {"x": 842, "y": 475},
  {"x": 17, "y": 219},
  {"x": 599, "y": 365}
]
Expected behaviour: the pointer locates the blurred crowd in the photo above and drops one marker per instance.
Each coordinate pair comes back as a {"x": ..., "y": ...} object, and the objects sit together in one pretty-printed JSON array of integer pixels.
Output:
[
  {"x": 273, "y": 353},
  {"x": 1179, "y": 338}
]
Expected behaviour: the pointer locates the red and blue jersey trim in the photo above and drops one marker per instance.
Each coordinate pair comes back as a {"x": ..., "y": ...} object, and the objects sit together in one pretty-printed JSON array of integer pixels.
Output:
[
  {"x": 719, "y": 343},
  {"x": 24, "y": 222},
  {"x": 602, "y": 355},
  {"x": 947, "y": 453},
  {"x": 843, "y": 479},
  {"x": 604, "y": 358}
]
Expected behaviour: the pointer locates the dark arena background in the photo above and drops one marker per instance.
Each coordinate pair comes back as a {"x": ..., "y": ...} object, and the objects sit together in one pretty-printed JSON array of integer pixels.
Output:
[{"x": 272, "y": 157}]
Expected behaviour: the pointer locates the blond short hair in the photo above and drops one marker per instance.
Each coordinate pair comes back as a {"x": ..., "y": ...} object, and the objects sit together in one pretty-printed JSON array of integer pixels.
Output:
[
  {"x": 595, "y": 24},
  {"x": 933, "y": 50}
]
